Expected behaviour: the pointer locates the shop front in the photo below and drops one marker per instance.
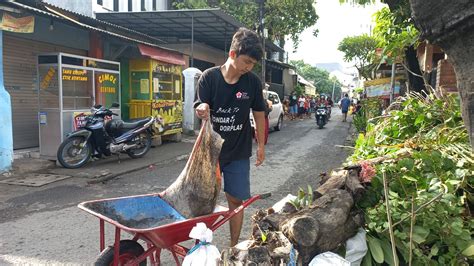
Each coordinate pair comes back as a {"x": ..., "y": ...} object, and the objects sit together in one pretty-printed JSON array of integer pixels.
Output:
[
  {"x": 156, "y": 90},
  {"x": 69, "y": 85}
]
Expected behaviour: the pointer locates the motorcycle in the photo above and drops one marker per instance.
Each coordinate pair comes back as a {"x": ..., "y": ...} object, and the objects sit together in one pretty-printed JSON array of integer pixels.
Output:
[
  {"x": 101, "y": 135},
  {"x": 321, "y": 116}
]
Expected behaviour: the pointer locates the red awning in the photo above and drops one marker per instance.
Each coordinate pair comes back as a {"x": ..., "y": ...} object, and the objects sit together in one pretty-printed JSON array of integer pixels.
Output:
[{"x": 162, "y": 55}]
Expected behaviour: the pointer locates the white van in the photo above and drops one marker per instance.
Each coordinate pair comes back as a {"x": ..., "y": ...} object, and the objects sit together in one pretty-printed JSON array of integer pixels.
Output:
[{"x": 275, "y": 118}]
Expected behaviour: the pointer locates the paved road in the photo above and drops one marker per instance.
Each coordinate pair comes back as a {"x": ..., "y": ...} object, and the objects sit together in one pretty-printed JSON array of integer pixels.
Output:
[{"x": 44, "y": 226}]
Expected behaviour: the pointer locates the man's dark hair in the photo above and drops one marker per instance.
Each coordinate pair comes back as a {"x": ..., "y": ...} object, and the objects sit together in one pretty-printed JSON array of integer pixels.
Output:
[
  {"x": 345, "y": 95},
  {"x": 246, "y": 42}
]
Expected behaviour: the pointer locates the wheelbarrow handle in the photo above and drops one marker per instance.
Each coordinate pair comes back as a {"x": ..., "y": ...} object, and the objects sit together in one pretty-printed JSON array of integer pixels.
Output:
[{"x": 244, "y": 205}]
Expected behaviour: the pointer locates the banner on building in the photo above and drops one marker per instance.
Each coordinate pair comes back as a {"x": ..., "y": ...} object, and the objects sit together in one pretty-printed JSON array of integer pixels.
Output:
[
  {"x": 381, "y": 87},
  {"x": 170, "y": 115},
  {"x": 20, "y": 25}
]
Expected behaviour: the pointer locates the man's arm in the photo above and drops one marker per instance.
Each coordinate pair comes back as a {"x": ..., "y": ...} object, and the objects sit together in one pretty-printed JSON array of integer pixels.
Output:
[
  {"x": 260, "y": 127},
  {"x": 202, "y": 98}
]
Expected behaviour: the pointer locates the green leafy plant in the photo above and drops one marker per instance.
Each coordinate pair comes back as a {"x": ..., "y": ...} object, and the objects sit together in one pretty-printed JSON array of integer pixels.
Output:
[
  {"x": 430, "y": 191},
  {"x": 360, "y": 121},
  {"x": 304, "y": 199},
  {"x": 394, "y": 31},
  {"x": 361, "y": 51}
]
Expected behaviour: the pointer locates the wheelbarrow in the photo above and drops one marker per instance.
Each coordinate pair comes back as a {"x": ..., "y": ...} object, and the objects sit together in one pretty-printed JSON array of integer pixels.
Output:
[{"x": 153, "y": 220}]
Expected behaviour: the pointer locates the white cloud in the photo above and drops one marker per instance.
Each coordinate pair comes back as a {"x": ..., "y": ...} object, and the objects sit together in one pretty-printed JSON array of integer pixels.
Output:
[{"x": 336, "y": 21}]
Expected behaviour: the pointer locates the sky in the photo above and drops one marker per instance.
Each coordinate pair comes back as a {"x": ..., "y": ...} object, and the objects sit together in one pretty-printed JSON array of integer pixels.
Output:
[{"x": 336, "y": 21}]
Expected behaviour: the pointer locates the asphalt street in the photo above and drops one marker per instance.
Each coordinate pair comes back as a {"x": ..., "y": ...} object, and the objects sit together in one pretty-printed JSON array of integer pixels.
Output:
[{"x": 43, "y": 225}]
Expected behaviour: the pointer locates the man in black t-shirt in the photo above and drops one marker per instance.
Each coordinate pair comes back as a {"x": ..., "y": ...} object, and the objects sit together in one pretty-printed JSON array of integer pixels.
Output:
[
  {"x": 226, "y": 94},
  {"x": 293, "y": 106}
]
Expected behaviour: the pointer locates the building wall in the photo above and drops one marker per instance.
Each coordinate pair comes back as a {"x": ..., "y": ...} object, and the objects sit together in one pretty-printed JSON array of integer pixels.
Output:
[
  {"x": 83, "y": 7},
  {"x": 57, "y": 33},
  {"x": 201, "y": 52},
  {"x": 90, "y": 7},
  {"x": 446, "y": 77},
  {"x": 288, "y": 80}
]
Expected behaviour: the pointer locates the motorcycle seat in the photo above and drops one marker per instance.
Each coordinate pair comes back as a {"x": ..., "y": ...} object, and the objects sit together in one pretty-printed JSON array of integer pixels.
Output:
[{"x": 134, "y": 124}]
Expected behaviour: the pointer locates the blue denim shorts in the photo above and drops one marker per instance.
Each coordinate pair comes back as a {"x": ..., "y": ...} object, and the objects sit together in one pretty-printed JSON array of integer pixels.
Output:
[
  {"x": 236, "y": 176},
  {"x": 294, "y": 109}
]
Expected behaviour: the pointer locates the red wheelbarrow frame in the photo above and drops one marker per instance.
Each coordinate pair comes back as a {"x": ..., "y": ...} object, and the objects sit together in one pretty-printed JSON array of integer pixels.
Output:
[{"x": 166, "y": 236}]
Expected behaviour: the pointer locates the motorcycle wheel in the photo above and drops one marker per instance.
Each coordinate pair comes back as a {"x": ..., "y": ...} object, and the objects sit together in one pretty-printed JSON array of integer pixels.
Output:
[
  {"x": 143, "y": 140},
  {"x": 68, "y": 155}
]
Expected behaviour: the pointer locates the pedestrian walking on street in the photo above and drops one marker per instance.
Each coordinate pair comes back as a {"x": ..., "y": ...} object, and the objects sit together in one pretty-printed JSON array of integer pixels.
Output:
[
  {"x": 293, "y": 106},
  {"x": 345, "y": 104},
  {"x": 301, "y": 102},
  {"x": 225, "y": 95}
]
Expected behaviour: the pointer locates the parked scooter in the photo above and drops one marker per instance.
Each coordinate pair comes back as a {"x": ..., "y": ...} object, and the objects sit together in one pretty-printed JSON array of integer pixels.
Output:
[
  {"x": 321, "y": 116},
  {"x": 102, "y": 135}
]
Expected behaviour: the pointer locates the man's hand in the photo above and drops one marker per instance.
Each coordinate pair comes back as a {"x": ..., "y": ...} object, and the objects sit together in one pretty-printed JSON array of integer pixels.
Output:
[
  {"x": 260, "y": 155},
  {"x": 202, "y": 111},
  {"x": 260, "y": 126}
]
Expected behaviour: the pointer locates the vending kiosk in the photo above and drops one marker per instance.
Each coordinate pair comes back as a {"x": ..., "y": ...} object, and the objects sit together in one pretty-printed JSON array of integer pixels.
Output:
[
  {"x": 156, "y": 89},
  {"x": 68, "y": 86}
]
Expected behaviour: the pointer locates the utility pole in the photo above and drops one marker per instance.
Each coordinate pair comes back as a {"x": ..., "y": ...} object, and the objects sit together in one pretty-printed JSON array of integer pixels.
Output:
[
  {"x": 262, "y": 35},
  {"x": 333, "y": 87},
  {"x": 392, "y": 82}
]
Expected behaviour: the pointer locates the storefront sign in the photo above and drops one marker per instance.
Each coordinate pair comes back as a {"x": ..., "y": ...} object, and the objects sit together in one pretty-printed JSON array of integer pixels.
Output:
[
  {"x": 43, "y": 118},
  {"x": 172, "y": 69},
  {"x": 170, "y": 112},
  {"x": 156, "y": 85},
  {"x": 47, "y": 79},
  {"x": 381, "y": 88},
  {"x": 144, "y": 86},
  {"x": 107, "y": 83},
  {"x": 75, "y": 74},
  {"x": 20, "y": 25},
  {"x": 79, "y": 119}
]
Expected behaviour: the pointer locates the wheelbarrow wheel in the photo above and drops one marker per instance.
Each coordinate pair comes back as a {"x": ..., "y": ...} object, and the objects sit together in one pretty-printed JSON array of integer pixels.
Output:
[{"x": 129, "y": 250}]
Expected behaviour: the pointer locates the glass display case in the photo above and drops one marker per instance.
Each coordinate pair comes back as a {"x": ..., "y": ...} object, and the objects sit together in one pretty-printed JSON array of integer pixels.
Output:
[{"x": 69, "y": 85}]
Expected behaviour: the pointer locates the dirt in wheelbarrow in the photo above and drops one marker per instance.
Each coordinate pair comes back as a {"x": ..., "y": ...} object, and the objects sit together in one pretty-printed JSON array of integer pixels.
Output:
[{"x": 144, "y": 222}]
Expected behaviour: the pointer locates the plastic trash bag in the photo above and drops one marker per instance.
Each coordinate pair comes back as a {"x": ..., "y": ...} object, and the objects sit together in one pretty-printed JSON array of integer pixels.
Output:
[
  {"x": 356, "y": 248},
  {"x": 278, "y": 207},
  {"x": 329, "y": 259},
  {"x": 202, "y": 254}
]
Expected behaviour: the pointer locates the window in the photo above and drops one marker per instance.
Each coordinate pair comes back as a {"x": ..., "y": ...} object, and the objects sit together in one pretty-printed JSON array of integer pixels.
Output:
[
  {"x": 116, "y": 5},
  {"x": 100, "y": 2},
  {"x": 142, "y": 5},
  {"x": 130, "y": 7},
  {"x": 154, "y": 5}
]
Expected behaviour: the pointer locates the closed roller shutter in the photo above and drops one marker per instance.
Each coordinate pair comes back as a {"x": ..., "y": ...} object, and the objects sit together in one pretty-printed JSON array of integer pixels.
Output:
[{"x": 20, "y": 62}]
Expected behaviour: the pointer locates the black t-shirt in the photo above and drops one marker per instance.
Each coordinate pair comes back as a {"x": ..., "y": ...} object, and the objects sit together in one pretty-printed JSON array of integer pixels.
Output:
[
  {"x": 293, "y": 100},
  {"x": 230, "y": 106}
]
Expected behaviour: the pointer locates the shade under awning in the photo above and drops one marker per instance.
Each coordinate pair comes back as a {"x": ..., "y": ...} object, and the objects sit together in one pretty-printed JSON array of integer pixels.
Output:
[{"x": 162, "y": 55}]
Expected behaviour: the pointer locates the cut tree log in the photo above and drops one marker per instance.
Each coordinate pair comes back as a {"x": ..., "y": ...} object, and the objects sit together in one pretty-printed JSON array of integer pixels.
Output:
[
  {"x": 348, "y": 179},
  {"x": 400, "y": 154},
  {"x": 321, "y": 227},
  {"x": 354, "y": 186},
  {"x": 337, "y": 179},
  {"x": 274, "y": 251}
]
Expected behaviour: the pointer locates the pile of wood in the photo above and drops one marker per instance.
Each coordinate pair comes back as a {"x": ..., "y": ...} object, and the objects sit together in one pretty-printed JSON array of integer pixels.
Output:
[{"x": 323, "y": 225}]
